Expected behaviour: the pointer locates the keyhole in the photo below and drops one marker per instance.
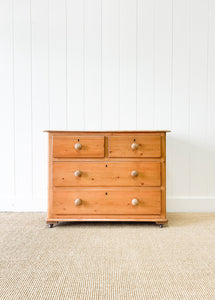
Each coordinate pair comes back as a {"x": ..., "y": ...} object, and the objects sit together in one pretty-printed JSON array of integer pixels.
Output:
[
  {"x": 134, "y": 140},
  {"x": 78, "y": 140},
  {"x": 106, "y": 193},
  {"x": 106, "y": 166}
]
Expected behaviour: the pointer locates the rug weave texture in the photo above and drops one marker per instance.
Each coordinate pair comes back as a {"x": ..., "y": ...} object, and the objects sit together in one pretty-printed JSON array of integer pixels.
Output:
[{"x": 107, "y": 260}]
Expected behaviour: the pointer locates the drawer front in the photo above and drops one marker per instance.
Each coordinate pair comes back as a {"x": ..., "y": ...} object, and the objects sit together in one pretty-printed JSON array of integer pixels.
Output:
[
  {"x": 106, "y": 174},
  {"x": 129, "y": 201},
  {"x": 74, "y": 146},
  {"x": 134, "y": 146}
]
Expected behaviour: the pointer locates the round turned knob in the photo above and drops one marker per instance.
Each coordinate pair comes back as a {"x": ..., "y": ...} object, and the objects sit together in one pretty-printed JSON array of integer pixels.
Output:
[
  {"x": 77, "y": 173},
  {"x": 134, "y": 173},
  {"x": 77, "y": 202},
  {"x": 78, "y": 146},
  {"x": 134, "y": 146},
  {"x": 134, "y": 201}
]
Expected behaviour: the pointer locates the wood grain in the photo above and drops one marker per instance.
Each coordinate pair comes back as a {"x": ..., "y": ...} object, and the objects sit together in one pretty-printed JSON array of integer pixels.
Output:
[
  {"x": 148, "y": 146},
  {"x": 106, "y": 174},
  {"x": 106, "y": 186},
  {"x": 64, "y": 146},
  {"x": 106, "y": 202}
]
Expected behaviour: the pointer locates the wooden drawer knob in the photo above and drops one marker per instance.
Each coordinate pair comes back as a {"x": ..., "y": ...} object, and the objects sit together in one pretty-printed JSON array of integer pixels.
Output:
[
  {"x": 134, "y": 173},
  {"x": 134, "y": 202},
  {"x": 77, "y": 202},
  {"x": 78, "y": 146},
  {"x": 134, "y": 146},
  {"x": 77, "y": 173}
]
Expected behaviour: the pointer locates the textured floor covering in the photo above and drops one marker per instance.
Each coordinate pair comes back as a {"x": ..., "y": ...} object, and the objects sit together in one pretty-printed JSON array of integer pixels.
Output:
[{"x": 107, "y": 260}]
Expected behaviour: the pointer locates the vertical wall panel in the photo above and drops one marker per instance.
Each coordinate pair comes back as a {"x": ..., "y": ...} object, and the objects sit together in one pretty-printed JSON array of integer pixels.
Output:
[
  {"x": 110, "y": 64},
  {"x": 211, "y": 103},
  {"x": 40, "y": 100},
  {"x": 92, "y": 60},
  {"x": 75, "y": 64},
  {"x": 145, "y": 64},
  {"x": 128, "y": 96},
  {"x": 163, "y": 75},
  {"x": 179, "y": 169},
  {"x": 198, "y": 96},
  {"x": 57, "y": 64},
  {"x": 163, "y": 63},
  {"x": 23, "y": 104},
  {"x": 6, "y": 111}
]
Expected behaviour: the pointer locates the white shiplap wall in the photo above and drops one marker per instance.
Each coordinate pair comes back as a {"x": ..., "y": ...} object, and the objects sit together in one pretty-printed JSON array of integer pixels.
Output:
[{"x": 105, "y": 65}]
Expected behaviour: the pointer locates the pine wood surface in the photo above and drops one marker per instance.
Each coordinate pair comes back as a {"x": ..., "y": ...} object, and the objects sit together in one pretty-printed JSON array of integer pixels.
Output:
[
  {"x": 106, "y": 202},
  {"x": 64, "y": 146},
  {"x": 106, "y": 174},
  {"x": 147, "y": 146},
  {"x": 101, "y": 173}
]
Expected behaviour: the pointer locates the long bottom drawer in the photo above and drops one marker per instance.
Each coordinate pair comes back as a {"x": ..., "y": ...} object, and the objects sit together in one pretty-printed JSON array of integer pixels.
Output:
[{"x": 108, "y": 201}]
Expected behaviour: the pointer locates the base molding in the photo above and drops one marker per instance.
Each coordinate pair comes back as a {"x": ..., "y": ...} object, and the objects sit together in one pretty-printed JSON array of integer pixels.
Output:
[{"x": 157, "y": 221}]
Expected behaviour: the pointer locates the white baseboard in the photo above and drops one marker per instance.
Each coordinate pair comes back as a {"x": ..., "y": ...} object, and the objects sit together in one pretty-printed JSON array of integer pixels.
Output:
[
  {"x": 25, "y": 203},
  {"x": 190, "y": 204}
]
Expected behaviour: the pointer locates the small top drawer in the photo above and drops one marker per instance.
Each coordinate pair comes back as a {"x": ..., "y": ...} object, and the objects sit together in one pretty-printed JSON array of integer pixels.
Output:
[
  {"x": 74, "y": 146},
  {"x": 135, "y": 146}
]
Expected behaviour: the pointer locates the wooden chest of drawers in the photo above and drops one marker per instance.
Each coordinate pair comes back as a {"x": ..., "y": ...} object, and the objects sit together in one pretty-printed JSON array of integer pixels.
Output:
[{"x": 107, "y": 176}]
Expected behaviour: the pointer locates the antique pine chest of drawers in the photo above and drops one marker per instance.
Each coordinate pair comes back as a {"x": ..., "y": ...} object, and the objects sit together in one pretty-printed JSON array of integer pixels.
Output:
[{"x": 107, "y": 176}]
